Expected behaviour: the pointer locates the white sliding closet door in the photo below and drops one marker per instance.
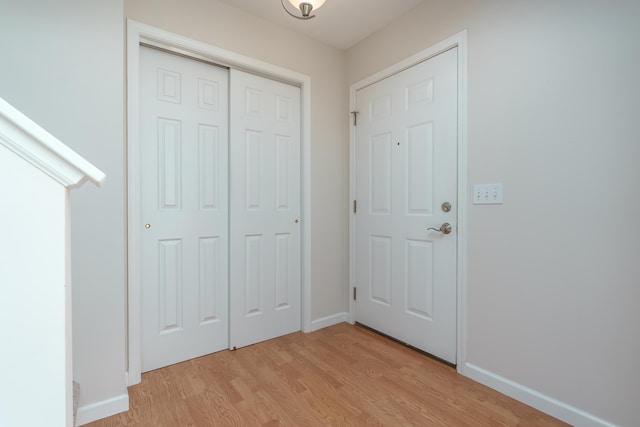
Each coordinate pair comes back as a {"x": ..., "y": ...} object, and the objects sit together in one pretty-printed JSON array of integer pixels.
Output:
[
  {"x": 265, "y": 245},
  {"x": 184, "y": 208},
  {"x": 220, "y": 208}
]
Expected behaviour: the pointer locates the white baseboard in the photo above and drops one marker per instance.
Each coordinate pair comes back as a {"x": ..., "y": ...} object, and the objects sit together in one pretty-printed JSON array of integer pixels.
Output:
[
  {"x": 102, "y": 409},
  {"x": 537, "y": 400},
  {"x": 325, "y": 322}
]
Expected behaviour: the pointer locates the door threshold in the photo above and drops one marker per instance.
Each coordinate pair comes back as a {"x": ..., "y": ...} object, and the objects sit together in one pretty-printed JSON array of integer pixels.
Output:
[{"x": 416, "y": 349}]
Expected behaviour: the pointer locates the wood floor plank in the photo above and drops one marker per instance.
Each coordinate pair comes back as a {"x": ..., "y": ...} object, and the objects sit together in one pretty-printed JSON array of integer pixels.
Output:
[{"x": 343, "y": 375}]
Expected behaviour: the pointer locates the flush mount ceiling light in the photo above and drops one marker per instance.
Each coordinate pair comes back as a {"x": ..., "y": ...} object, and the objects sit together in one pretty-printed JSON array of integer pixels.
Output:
[{"x": 304, "y": 6}]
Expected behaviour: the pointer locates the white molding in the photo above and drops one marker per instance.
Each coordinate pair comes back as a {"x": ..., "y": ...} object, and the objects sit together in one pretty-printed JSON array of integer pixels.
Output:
[
  {"x": 37, "y": 146},
  {"x": 325, "y": 322},
  {"x": 105, "y": 408},
  {"x": 352, "y": 197},
  {"x": 134, "y": 298},
  {"x": 555, "y": 408},
  {"x": 136, "y": 33},
  {"x": 458, "y": 40}
]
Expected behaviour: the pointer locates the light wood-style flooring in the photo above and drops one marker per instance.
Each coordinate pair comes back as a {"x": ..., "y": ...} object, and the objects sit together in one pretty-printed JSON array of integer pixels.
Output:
[{"x": 343, "y": 375}]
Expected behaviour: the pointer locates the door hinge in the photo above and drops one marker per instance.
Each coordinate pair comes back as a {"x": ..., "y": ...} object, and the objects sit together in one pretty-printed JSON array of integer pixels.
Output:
[
  {"x": 355, "y": 206},
  {"x": 355, "y": 117},
  {"x": 355, "y": 293}
]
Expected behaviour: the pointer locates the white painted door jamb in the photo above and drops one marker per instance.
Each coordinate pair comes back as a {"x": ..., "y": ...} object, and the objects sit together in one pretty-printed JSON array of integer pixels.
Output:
[
  {"x": 459, "y": 40},
  {"x": 137, "y": 33}
]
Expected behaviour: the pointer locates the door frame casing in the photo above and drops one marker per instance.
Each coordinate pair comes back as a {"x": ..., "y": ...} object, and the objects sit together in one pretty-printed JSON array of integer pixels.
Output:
[
  {"x": 458, "y": 40},
  {"x": 141, "y": 33}
]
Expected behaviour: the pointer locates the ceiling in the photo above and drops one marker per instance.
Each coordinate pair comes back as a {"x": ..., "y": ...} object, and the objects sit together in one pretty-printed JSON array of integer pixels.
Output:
[{"x": 338, "y": 23}]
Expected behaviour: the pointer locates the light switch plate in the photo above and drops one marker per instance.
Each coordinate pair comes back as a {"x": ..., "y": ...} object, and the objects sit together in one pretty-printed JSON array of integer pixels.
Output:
[{"x": 487, "y": 194}]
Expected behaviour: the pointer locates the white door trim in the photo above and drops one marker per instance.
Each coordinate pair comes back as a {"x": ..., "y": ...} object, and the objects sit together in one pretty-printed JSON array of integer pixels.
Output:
[
  {"x": 459, "y": 40},
  {"x": 137, "y": 33}
]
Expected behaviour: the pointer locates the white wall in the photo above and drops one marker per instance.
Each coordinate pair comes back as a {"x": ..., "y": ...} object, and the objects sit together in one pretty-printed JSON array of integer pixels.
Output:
[
  {"x": 33, "y": 298},
  {"x": 553, "y": 108},
  {"x": 220, "y": 25},
  {"x": 62, "y": 65}
]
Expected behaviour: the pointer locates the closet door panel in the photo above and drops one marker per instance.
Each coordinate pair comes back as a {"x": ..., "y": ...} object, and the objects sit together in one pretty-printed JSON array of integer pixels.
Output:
[
  {"x": 265, "y": 272},
  {"x": 184, "y": 208}
]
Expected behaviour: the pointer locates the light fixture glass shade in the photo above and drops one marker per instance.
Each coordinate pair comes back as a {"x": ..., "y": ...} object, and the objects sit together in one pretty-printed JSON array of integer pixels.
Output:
[{"x": 315, "y": 3}]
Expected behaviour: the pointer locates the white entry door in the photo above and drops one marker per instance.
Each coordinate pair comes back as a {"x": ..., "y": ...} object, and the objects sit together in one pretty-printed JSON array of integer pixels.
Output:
[
  {"x": 406, "y": 143},
  {"x": 265, "y": 245},
  {"x": 184, "y": 208}
]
